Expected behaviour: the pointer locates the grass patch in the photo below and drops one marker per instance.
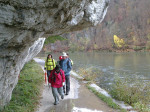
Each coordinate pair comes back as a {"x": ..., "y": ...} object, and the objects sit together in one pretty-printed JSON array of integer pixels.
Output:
[
  {"x": 136, "y": 95},
  {"x": 91, "y": 75},
  {"x": 26, "y": 94},
  {"x": 107, "y": 100}
]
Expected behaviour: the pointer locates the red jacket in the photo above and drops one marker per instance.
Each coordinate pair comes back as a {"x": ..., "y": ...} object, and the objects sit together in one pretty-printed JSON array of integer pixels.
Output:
[{"x": 56, "y": 79}]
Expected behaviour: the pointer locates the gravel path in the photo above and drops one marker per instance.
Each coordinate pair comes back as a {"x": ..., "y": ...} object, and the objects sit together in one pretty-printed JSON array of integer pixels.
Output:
[{"x": 80, "y": 99}]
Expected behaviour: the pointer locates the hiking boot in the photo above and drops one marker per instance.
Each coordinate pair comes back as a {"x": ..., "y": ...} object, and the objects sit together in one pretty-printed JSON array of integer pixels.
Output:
[
  {"x": 67, "y": 92},
  {"x": 62, "y": 96},
  {"x": 56, "y": 103}
]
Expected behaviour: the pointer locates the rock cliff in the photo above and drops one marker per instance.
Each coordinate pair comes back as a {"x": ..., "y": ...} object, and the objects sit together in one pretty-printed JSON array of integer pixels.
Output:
[{"x": 23, "y": 22}]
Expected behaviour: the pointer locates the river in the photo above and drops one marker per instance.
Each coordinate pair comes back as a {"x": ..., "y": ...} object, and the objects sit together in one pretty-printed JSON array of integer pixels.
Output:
[{"x": 123, "y": 65}]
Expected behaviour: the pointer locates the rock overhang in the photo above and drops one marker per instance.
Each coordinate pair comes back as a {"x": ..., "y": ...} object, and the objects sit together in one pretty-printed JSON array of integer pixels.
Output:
[{"x": 23, "y": 22}]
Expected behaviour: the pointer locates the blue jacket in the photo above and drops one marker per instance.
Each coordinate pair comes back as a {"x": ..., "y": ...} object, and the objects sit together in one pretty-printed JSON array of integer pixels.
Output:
[{"x": 66, "y": 66}]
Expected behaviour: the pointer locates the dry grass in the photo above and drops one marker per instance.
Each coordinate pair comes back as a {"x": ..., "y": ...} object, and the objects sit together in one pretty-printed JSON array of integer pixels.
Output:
[
  {"x": 90, "y": 74},
  {"x": 137, "y": 94}
]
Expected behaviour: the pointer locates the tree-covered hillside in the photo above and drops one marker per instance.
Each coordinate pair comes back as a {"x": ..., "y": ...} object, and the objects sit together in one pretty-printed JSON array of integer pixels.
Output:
[{"x": 129, "y": 20}]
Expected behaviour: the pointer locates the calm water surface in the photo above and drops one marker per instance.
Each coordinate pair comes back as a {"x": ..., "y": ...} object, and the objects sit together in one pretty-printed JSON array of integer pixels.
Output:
[{"x": 111, "y": 64}]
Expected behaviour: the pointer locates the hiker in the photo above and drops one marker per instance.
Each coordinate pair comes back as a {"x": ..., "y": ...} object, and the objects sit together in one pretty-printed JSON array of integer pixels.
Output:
[
  {"x": 57, "y": 80},
  {"x": 60, "y": 58},
  {"x": 49, "y": 64},
  {"x": 70, "y": 59},
  {"x": 66, "y": 67}
]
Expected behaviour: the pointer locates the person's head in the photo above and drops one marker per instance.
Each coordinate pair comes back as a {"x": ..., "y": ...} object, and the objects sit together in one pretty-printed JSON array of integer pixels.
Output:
[
  {"x": 49, "y": 56},
  {"x": 64, "y": 55},
  {"x": 57, "y": 68},
  {"x": 60, "y": 57}
]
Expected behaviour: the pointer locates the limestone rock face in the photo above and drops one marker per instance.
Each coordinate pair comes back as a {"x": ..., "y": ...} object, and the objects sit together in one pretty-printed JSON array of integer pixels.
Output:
[{"x": 23, "y": 22}]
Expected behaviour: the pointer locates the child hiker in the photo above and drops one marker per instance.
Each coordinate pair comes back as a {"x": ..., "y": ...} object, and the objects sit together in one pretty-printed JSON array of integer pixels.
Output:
[{"x": 57, "y": 80}]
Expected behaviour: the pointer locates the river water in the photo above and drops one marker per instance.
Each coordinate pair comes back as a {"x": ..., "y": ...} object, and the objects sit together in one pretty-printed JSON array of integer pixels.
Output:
[{"x": 123, "y": 65}]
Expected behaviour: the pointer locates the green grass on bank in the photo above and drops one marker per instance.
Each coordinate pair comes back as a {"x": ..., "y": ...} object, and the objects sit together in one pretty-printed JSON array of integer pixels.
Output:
[
  {"x": 134, "y": 92},
  {"x": 137, "y": 95},
  {"x": 90, "y": 75},
  {"x": 106, "y": 99},
  {"x": 26, "y": 94}
]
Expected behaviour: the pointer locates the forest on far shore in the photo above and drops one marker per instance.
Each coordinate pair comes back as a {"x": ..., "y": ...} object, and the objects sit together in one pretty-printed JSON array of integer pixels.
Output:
[{"x": 126, "y": 27}]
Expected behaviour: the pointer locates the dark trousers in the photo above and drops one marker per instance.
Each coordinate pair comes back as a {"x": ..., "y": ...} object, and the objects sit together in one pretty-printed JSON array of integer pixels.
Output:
[
  {"x": 66, "y": 87},
  {"x": 48, "y": 73}
]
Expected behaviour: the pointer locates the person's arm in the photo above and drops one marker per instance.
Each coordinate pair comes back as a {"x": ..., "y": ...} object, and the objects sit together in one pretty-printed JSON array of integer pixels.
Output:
[
  {"x": 69, "y": 67},
  {"x": 61, "y": 64},
  {"x": 45, "y": 64},
  {"x": 54, "y": 63},
  {"x": 63, "y": 76}
]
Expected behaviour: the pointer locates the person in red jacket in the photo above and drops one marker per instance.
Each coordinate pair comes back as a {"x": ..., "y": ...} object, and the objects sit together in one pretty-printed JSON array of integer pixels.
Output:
[{"x": 57, "y": 80}]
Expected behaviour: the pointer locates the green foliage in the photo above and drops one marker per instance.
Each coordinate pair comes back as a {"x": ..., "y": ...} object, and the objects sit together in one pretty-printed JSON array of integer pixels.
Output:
[
  {"x": 138, "y": 92},
  {"x": 141, "y": 107},
  {"x": 26, "y": 94},
  {"x": 53, "y": 39},
  {"x": 136, "y": 48}
]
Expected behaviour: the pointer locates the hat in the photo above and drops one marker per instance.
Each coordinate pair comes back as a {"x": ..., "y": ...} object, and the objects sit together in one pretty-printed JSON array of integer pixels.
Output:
[
  {"x": 60, "y": 57},
  {"x": 64, "y": 54},
  {"x": 57, "y": 67}
]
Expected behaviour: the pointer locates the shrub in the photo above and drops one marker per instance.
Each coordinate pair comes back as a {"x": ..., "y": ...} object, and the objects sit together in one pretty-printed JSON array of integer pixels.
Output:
[
  {"x": 119, "y": 43},
  {"x": 136, "y": 48},
  {"x": 90, "y": 74},
  {"x": 141, "y": 107},
  {"x": 131, "y": 94},
  {"x": 53, "y": 39}
]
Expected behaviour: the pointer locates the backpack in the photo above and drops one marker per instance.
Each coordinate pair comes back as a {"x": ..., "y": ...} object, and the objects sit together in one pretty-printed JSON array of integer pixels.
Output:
[
  {"x": 70, "y": 61},
  {"x": 54, "y": 78}
]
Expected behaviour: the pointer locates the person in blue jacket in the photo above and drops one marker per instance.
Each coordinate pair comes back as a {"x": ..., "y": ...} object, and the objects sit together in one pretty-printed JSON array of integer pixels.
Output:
[{"x": 65, "y": 64}]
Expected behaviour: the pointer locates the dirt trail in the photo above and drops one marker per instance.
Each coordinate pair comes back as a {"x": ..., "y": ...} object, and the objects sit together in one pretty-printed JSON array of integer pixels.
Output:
[{"x": 80, "y": 99}]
